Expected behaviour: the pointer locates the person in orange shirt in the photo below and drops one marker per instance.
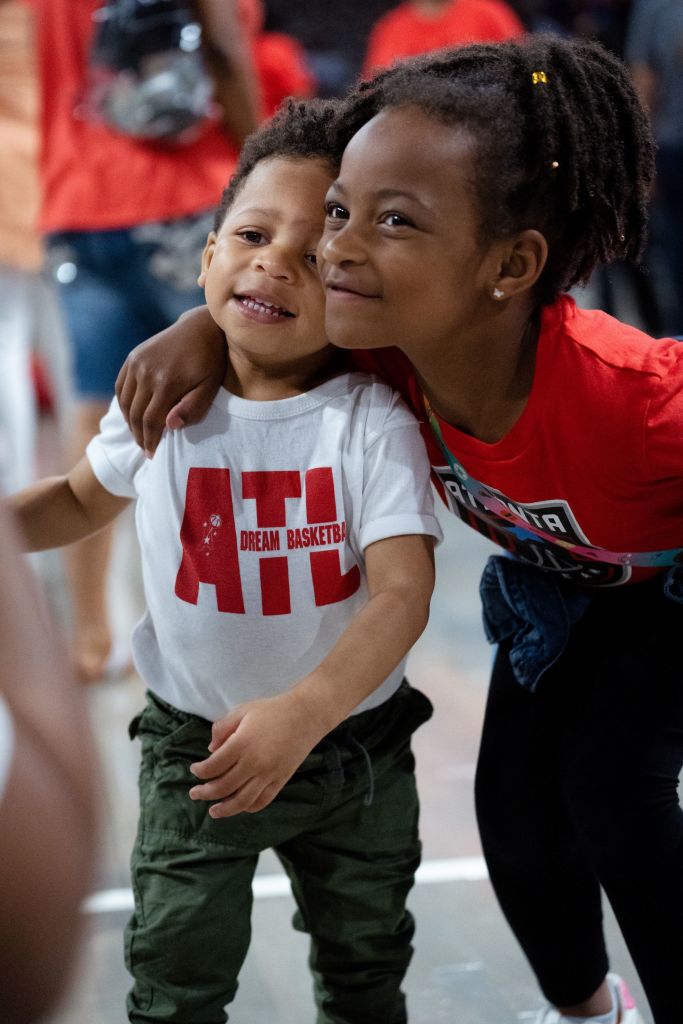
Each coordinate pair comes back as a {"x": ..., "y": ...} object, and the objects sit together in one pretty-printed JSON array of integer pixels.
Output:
[{"x": 419, "y": 26}]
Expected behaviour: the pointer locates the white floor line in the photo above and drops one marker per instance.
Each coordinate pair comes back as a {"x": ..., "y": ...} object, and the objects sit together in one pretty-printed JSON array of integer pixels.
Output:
[{"x": 457, "y": 869}]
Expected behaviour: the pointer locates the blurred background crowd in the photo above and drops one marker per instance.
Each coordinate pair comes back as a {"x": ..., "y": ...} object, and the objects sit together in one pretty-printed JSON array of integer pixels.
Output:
[
  {"x": 101, "y": 233},
  {"x": 67, "y": 187}
]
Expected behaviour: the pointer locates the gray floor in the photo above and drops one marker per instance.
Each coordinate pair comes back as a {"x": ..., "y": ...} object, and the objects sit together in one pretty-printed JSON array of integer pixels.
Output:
[{"x": 467, "y": 968}]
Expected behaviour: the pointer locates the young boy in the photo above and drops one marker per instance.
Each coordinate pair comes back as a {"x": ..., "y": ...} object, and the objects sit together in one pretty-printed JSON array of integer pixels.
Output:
[{"x": 288, "y": 565}]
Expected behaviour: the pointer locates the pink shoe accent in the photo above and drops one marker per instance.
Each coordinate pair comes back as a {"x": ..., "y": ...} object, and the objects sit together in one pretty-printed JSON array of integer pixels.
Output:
[
  {"x": 626, "y": 1006},
  {"x": 627, "y": 1000}
]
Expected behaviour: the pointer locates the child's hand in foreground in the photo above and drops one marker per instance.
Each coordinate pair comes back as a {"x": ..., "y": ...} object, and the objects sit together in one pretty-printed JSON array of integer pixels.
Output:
[{"x": 255, "y": 750}]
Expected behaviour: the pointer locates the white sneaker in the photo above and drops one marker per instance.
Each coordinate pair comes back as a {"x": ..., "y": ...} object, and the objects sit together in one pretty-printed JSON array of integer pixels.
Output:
[
  {"x": 627, "y": 1009},
  {"x": 627, "y": 1012}
]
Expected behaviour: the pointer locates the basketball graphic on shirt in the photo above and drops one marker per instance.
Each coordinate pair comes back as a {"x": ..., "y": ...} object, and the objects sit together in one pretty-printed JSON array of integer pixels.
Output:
[{"x": 213, "y": 524}]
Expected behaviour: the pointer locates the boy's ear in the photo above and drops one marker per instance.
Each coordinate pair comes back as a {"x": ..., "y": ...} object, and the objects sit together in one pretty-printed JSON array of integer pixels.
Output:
[
  {"x": 207, "y": 256},
  {"x": 521, "y": 263}
]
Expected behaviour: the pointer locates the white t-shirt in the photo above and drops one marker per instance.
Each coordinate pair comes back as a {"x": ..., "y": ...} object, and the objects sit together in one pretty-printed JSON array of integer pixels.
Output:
[{"x": 252, "y": 526}]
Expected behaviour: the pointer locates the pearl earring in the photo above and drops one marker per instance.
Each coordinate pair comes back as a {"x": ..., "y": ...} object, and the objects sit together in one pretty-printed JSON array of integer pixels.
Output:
[{"x": 498, "y": 294}]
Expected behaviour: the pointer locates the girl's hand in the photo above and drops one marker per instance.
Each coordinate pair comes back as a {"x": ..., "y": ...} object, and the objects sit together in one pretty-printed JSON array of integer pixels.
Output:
[
  {"x": 171, "y": 379},
  {"x": 255, "y": 750}
]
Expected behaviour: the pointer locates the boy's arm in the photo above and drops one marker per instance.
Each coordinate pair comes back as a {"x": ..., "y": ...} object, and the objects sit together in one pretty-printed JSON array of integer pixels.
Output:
[
  {"x": 259, "y": 745},
  {"x": 172, "y": 378},
  {"x": 60, "y": 510}
]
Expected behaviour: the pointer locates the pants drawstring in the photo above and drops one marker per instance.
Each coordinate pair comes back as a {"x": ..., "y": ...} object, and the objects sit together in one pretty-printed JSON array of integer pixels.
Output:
[
  {"x": 333, "y": 761},
  {"x": 370, "y": 795},
  {"x": 334, "y": 764}
]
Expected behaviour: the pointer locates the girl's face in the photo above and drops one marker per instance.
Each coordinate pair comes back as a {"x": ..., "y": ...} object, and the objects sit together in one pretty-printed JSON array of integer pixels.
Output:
[
  {"x": 400, "y": 255},
  {"x": 259, "y": 273}
]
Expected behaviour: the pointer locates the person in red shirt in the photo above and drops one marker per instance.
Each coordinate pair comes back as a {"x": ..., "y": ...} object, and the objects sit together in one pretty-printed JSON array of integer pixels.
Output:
[
  {"x": 477, "y": 187},
  {"x": 279, "y": 60},
  {"x": 420, "y": 26},
  {"x": 124, "y": 222}
]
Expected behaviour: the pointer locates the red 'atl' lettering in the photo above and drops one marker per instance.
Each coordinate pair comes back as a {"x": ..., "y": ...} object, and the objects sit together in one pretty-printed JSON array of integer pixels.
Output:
[
  {"x": 329, "y": 584},
  {"x": 321, "y": 506},
  {"x": 270, "y": 490},
  {"x": 275, "y": 595},
  {"x": 209, "y": 541},
  {"x": 209, "y": 538}
]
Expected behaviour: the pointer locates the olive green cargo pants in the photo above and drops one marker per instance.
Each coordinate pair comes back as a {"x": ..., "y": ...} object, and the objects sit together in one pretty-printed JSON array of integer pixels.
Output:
[{"x": 345, "y": 829}]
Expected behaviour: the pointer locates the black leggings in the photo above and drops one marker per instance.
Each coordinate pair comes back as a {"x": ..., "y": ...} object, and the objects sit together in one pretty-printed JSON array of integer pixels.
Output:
[{"x": 577, "y": 788}]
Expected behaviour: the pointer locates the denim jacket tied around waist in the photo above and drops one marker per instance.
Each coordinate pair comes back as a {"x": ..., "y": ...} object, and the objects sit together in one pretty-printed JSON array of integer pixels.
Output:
[{"x": 537, "y": 613}]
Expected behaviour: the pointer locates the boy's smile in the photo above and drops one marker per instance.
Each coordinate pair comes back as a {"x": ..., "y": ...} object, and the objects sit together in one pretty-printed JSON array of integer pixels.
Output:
[
  {"x": 259, "y": 272},
  {"x": 257, "y": 307}
]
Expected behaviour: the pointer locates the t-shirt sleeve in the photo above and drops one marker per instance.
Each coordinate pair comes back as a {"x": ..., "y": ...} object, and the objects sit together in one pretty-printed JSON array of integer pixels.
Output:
[
  {"x": 114, "y": 456},
  {"x": 397, "y": 495},
  {"x": 664, "y": 421}
]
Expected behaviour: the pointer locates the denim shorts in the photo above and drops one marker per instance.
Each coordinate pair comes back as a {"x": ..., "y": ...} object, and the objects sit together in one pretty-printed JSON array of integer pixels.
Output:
[{"x": 118, "y": 287}]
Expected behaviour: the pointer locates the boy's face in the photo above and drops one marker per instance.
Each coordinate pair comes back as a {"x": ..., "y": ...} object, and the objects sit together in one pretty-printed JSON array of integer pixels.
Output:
[
  {"x": 400, "y": 255},
  {"x": 259, "y": 273}
]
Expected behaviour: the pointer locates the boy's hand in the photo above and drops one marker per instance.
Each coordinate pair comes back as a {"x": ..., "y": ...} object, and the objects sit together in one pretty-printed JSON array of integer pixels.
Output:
[
  {"x": 172, "y": 378},
  {"x": 255, "y": 750}
]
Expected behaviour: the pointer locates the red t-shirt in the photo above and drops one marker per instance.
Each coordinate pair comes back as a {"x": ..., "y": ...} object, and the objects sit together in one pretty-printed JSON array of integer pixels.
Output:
[
  {"x": 279, "y": 59},
  {"x": 593, "y": 470},
  {"x": 93, "y": 178},
  {"x": 280, "y": 63},
  {"x": 405, "y": 31}
]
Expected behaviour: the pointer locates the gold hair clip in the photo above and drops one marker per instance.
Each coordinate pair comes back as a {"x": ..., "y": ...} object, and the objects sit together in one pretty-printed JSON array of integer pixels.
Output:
[{"x": 539, "y": 76}]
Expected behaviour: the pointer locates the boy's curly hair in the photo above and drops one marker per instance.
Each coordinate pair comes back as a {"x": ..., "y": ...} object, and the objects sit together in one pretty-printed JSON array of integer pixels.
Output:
[
  {"x": 298, "y": 129},
  {"x": 562, "y": 143}
]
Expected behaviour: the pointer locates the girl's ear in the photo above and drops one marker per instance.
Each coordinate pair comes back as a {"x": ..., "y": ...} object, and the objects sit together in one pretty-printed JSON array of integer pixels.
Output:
[
  {"x": 520, "y": 265},
  {"x": 207, "y": 256}
]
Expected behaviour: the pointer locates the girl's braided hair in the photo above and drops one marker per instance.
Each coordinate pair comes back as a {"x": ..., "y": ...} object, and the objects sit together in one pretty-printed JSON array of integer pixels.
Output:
[
  {"x": 562, "y": 143},
  {"x": 298, "y": 129}
]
